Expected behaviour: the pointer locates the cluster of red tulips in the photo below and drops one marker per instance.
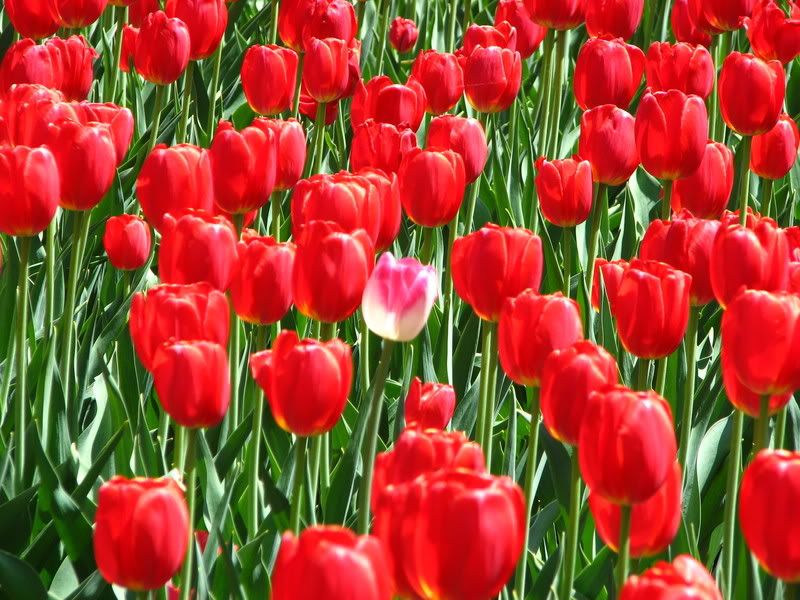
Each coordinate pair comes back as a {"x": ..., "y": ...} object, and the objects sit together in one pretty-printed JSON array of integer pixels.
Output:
[{"x": 243, "y": 250}]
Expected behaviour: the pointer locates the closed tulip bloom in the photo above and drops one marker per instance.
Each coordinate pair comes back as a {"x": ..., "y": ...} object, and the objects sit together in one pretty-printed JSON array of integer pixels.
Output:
[
  {"x": 163, "y": 49},
  {"x": 492, "y": 78},
  {"x": 626, "y": 446},
  {"x": 206, "y": 20},
  {"x": 27, "y": 112},
  {"x": 26, "y": 61},
  {"x": 502, "y": 36},
  {"x": 291, "y": 150},
  {"x": 77, "y": 58},
  {"x": 685, "y": 27},
  {"x": 432, "y": 184},
  {"x": 558, "y": 15},
  {"x": 268, "y": 77},
  {"x": 654, "y": 522},
  {"x": 139, "y": 9},
  {"x": 325, "y": 70},
  {"x": 197, "y": 247},
  {"x": 261, "y": 290},
  {"x": 141, "y": 528},
  {"x": 466, "y": 137},
  {"x": 609, "y": 275},
  {"x": 565, "y": 192},
  {"x": 33, "y": 18},
  {"x": 331, "y": 19},
  {"x": 752, "y": 257},
  {"x": 613, "y": 18},
  {"x": 127, "y": 242},
  {"x": 671, "y": 133},
  {"x": 192, "y": 380},
  {"x": 292, "y": 17},
  {"x": 773, "y": 35},
  {"x": 306, "y": 382},
  {"x": 775, "y": 152},
  {"x": 429, "y": 405},
  {"x": 398, "y": 297},
  {"x": 684, "y": 67},
  {"x": 441, "y": 77},
  {"x": 493, "y": 264},
  {"x": 768, "y": 495},
  {"x": 745, "y": 399},
  {"x": 128, "y": 50},
  {"x": 724, "y": 15},
  {"x": 331, "y": 269},
  {"x": 387, "y": 102},
  {"x": 29, "y": 190},
  {"x": 608, "y": 142},
  {"x": 705, "y": 193},
  {"x": 758, "y": 111},
  {"x": 380, "y": 145},
  {"x": 529, "y": 33},
  {"x": 174, "y": 180},
  {"x": 184, "y": 312},
  {"x": 77, "y": 14},
  {"x": 388, "y": 190},
  {"x": 403, "y": 34},
  {"x": 531, "y": 328},
  {"x": 607, "y": 72},
  {"x": 310, "y": 566},
  {"x": 570, "y": 375},
  {"x": 118, "y": 119},
  {"x": 682, "y": 578}
]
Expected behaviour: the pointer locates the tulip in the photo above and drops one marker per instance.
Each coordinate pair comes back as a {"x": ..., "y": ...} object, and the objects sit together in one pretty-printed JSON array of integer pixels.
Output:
[
  {"x": 432, "y": 184},
  {"x": 441, "y": 77},
  {"x": 306, "y": 382},
  {"x": 607, "y": 141},
  {"x": 127, "y": 242},
  {"x": 33, "y": 18},
  {"x": 485, "y": 36},
  {"x": 29, "y": 110},
  {"x": 174, "y": 180},
  {"x": 610, "y": 272},
  {"x": 684, "y": 67},
  {"x": 388, "y": 191},
  {"x": 492, "y": 78},
  {"x": 654, "y": 522},
  {"x": 331, "y": 19},
  {"x": 607, "y": 72},
  {"x": 292, "y": 17},
  {"x": 403, "y": 34},
  {"x": 128, "y": 50},
  {"x": 613, "y": 18},
  {"x": 380, "y": 145},
  {"x": 310, "y": 566},
  {"x": 325, "y": 70},
  {"x": 139, "y": 9},
  {"x": 564, "y": 189},
  {"x": 769, "y": 491},
  {"x": 291, "y": 150},
  {"x": 562, "y": 15},
  {"x": 185, "y": 312},
  {"x": 206, "y": 21},
  {"x": 724, "y": 15},
  {"x": 268, "y": 77},
  {"x": 758, "y": 111},
  {"x": 743, "y": 398},
  {"x": 141, "y": 531},
  {"x": 29, "y": 190},
  {"x": 569, "y": 376},
  {"x": 28, "y": 62},
  {"x": 430, "y": 405},
  {"x": 685, "y": 26},
  {"x": 684, "y": 577},
  {"x": 775, "y": 152},
  {"x": 197, "y": 247},
  {"x": 331, "y": 269},
  {"x": 705, "y": 193},
  {"x": 77, "y": 14},
  {"x": 119, "y": 120},
  {"x": 529, "y": 33},
  {"x": 387, "y": 102},
  {"x": 773, "y": 35},
  {"x": 464, "y": 136},
  {"x": 163, "y": 49},
  {"x": 77, "y": 58}
]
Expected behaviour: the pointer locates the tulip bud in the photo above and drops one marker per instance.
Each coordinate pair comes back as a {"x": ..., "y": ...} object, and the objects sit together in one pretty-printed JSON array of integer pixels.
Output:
[
  {"x": 387, "y": 102},
  {"x": 684, "y": 577},
  {"x": 291, "y": 150},
  {"x": 723, "y": 15},
  {"x": 403, "y": 34},
  {"x": 609, "y": 275},
  {"x": 163, "y": 49},
  {"x": 29, "y": 190},
  {"x": 429, "y": 405},
  {"x": 331, "y": 19},
  {"x": 388, "y": 191},
  {"x": 758, "y": 111},
  {"x": 77, "y": 14},
  {"x": 486, "y": 36},
  {"x": 127, "y": 242},
  {"x": 432, "y": 185},
  {"x": 564, "y": 15},
  {"x": 613, "y": 18},
  {"x": 464, "y": 136},
  {"x": 682, "y": 67},
  {"x": 607, "y": 72},
  {"x": 773, "y": 35},
  {"x": 268, "y": 77},
  {"x": 206, "y": 21},
  {"x": 380, "y": 145},
  {"x": 139, "y": 9},
  {"x": 492, "y": 78},
  {"x": 441, "y": 77},
  {"x": 29, "y": 110},
  {"x": 306, "y": 382},
  {"x": 705, "y": 193},
  {"x": 685, "y": 26},
  {"x": 564, "y": 189},
  {"x": 325, "y": 70},
  {"x": 607, "y": 141},
  {"x": 775, "y": 152},
  {"x": 33, "y": 18},
  {"x": 745, "y": 399},
  {"x": 293, "y": 15},
  {"x": 141, "y": 528},
  {"x": 529, "y": 33},
  {"x": 128, "y": 51},
  {"x": 119, "y": 120},
  {"x": 26, "y": 61},
  {"x": 77, "y": 58}
]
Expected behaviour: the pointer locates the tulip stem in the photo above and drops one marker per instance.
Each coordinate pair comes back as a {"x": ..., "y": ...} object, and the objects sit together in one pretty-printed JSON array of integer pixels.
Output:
[
  {"x": 363, "y": 351},
  {"x": 571, "y": 552},
  {"x": 790, "y": 590},
  {"x": 688, "y": 395},
  {"x": 319, "y": 137},
  {"x": 545, "y": 101},
  {"x": 235, "y": 344},
  {"x": 275, "y": 205},
  {"x": 666, "y": 203},
  {"x": 600, "y": 198},
  {"x": 530, "y": 474},
  {"x": 122, "y": 18},
  {"x": 212, "y": 97},
  {"x": 255, "y": 446},
  {"x": 273, "y": 26},
  {"x": 643, "y": 375},
  {"x": 661, "y": 375},
  {"x": 21, "y": 331},
  {"x": 375, "y": 406},
  {"x": 766, "y": 197},
  {"x": 190, "y": 479},
  {"x": 566, "y": 251},
  {"x": 472, "y": 200},
  {"x": 449, "y": 305},
  {"x": 488, "y": 379},
  {"x": 188, "y": 80},
  {"x": 761, "y": 437},
  {"x": 50, "y": 291},
  {"x": 624, "y": 558},
  {"x": 731, "y": 492},
  {"x": 158, "y": 105},
  {"x": 426, "y": 251},
  {"x": 451, "y": 30},
  {"x": 557, "y": 91},
  {"x": 780, "y": 428},
  {"x": 384, "y": 25},
  {"x": 300, "y": 447},
  {"x": 744, "y": 178},
  {"x": 298, "y": 82}
]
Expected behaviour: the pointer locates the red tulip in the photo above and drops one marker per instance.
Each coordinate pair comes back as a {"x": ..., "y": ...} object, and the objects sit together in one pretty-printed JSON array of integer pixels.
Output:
[
  {"x": 486, "y": 36},
  {"x": 310, "y": 566},
  {"x": 141, "y": 531},
  {"x": 682, "y": 67},
  {"x": 775, "y": 152},
  {"x": 130, "y": 35},
  {"x": 607, "y": 141},
  {"x": 654, "y": 522},
  {"x": 163, "y": 49},
  {"x": 564, "y": 189},
  {"x": 77, "y": 14},
  {"x": 529, "y": 33},
  {"x": 331, "y": 269},
  {"x": 28, "y": 111},
  {"x": 306, "y": 382},
  {"x": 292, "y": 17},
  {"x": 682, "y": 578},
  {"x": 139, "y": 9},
  {"x": 185, "y": 312},
  {"x": 609, "y": 275},
  {"x": 127, "y": 242},
  {"x": 745, "y": 399},
  {"x": 723, "y": 15},
  {"x": 464, "y": 136},
  {"x": 607, "y": 72},
  {"x": 432, "y": 184},
  {"x": 291, "y": 150},
  {"x": 758, "y": 111},
  {"x": 388, "y": 190},
  {"x": 626, "y": 446},
  {"x": 705, "y": 193},
  {"x": 773, "y": 35},
  {"x": 685, "y": 26},
  {"x": 268, "y": 77},
  {"x": 493, "y": 264},
  {"x": 325, "y": 70},
  {"x": 403, "y": 34},
  {"x": 29, "y": 190},
  {"x": 441, "y": 77},
  {"x": 309, "y": 107},
  {"x": 387, "y": 102},
  {"x": 33, "y": 18},
  {"x": 492, "y": 78},
  {"x": 557, "y": 15},
  {"x": 613, "y": 18},
  {"x": 380, "y": 145},
  {"x": 206, "y": 20},
  {"x": 671, "y": 133},
  {"x": 569, "y": 377},
  {"x": 331, "y": 19},
  {"x": 429, "y": 405},
  {"x": 77, "y": 58},
  {"x": 28, "y": 62},
  {"x": 119, "y": 120}
]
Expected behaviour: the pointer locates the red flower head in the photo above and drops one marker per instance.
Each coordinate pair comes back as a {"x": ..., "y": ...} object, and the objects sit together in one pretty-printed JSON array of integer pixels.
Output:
[{"x": 607, "y": 71}]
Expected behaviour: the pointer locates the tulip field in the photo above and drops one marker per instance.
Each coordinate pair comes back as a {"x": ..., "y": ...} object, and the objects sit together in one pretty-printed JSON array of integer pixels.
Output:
[{"x": 399, "y": 300}]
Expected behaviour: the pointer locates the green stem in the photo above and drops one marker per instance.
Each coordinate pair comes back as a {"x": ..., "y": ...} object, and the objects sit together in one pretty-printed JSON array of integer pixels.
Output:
[
  {"x": 190, "y": 476},
  {"x": 255, "y": 447},
  {"x": 562, "y": 41},
  {"x": 50, "y": 291},
  {"x": 570, "y": 556},
  {"x": 761, "y": 437},
  {"x": 624, "y": 558},
  {"x": 743, "y": 177},
  {"x": 721, "y": 49},
  {"x": 643, "y": 374},
  {"x": 451, "y": 29},
  {"x": 426, "y": 251},
  {"x": 316, "y": 457},
  {"x": 545, "y": 99},
  {"x": 21, "y": 332},
  {"x": 472, "y": 200},
  {"x": 780, "y": 428},
  {"x": 666, "y": 203},
  {"x": 327, "y": 331},
  {"x": 566, "y": 250},
  {"x": 319, "y": 137},
  {"x": 600, "y": 199},
  {"x": 212, "y": 96},
  {"x": 482, "y": 394},
  {"x": 384, "y": 24},
  {"x": 298, "y": 82},
  {"x": 491, "y": 383},
  {"x": 661, "y": 375},
  {"x": 363, "y": 351},
  {"x": 273, "y": 29},
  {"x": 731, "y": 491},
  {"x": 275, "y": 205},
  {"x": 766, "y": 196},
  {"x": 300, "y": 447},
  {"x": 790, "y": 590},
  {"x": 158, "y": 106},
  {"x": 449, "y": 305},
  {"x": 688, "y": 392},
  {"x": 530, "y": 474},
  {"x": 234, "y": 351},
  {"x": 188, "y": 80},
  {"x": 122, "y": 18},
  {"x": 375, "y": 406}
]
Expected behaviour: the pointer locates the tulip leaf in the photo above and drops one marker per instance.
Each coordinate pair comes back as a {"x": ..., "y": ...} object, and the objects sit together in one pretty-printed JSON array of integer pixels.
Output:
[{"x": 18, "y": 579}]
